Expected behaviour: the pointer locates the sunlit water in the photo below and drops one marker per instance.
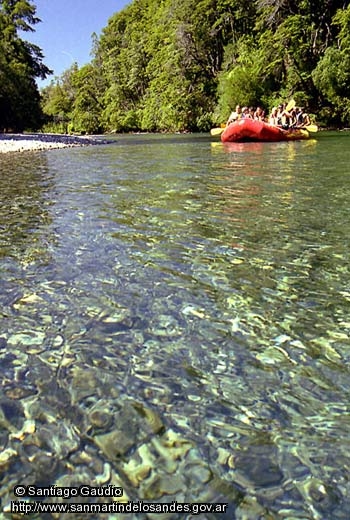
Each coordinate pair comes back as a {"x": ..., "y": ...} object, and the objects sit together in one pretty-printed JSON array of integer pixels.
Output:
[{"x": 206, "y": 283}]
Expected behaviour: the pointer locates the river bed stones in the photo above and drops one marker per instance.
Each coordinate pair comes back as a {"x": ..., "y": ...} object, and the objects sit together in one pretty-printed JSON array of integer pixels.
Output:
[{"x": 38, "y": 142}]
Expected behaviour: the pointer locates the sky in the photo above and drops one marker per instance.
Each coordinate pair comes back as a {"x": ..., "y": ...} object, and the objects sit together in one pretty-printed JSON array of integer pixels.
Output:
[{"x": 64, "y": 33}]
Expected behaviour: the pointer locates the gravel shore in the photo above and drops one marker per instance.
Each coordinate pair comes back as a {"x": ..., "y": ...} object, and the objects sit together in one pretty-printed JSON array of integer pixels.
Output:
[{"x": 34, "y": 142}]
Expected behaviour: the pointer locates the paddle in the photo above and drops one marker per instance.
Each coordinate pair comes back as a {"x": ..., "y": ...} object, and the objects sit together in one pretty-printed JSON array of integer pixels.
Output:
[
  {"x": 311, "y": 128},
  {"x": 290, "y": 105},
  {"x": 216, "y": 131}
]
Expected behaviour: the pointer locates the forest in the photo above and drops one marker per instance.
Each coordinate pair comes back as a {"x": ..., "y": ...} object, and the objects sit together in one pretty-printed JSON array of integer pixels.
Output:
[{"x": 181, "y": 65}]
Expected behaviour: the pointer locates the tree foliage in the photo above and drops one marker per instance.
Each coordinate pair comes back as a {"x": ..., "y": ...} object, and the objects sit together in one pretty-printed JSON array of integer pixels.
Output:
[
  {"x": 332, "y": 73},
  {"x": 176, "y": 65},
  {"x": 20, "y": 63}
]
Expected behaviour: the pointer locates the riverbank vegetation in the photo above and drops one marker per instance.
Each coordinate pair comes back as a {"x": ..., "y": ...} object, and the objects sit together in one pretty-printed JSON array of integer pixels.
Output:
[
  {"x": 21, "y": 63},
  {"x": 183, "y": 65}
]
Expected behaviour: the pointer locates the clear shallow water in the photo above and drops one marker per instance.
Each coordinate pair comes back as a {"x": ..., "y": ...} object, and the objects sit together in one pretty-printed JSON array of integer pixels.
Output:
[{"x": 175, "y": 320}]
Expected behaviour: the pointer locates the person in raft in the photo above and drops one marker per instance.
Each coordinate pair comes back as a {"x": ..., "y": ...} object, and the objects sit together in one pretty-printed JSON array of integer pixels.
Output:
[
  {"x": 245, "y": 113},
  {"x": 302, "y": 119},
  {"x": 251, "y": 112},
  {"x": 281, "y": 117},
  {"x": 235, "y": 115},
  {"x": 274, "y": 119},
  {"x": 286, "y": 119},
  {"x": 259, "y": 114}
]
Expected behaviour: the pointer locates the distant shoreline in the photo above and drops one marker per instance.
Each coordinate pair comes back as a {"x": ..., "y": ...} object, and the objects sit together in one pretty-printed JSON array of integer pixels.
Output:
[{"x": 38, "y": 142}]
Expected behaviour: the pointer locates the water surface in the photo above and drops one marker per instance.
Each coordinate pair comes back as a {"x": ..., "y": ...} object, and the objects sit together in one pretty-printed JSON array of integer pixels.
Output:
[{"x": 175, "y": 320}]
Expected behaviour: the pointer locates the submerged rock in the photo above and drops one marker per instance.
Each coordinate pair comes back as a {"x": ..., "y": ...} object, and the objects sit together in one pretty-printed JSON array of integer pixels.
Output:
[{"x": 132, "y": 425}]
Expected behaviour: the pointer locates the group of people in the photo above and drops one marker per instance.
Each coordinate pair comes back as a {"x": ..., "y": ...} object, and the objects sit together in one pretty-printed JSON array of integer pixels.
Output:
[
  {"x": 280, "y": 116},
  {"x": 294, "y": 118},
  {"x": 251, "y": 113}
]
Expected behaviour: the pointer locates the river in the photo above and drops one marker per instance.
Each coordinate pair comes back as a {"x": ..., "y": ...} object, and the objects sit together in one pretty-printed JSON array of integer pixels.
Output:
[{"x": 175, "y": 322}]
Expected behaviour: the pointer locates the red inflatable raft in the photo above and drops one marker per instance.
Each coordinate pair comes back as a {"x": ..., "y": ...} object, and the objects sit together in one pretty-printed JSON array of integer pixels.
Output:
[{"x": 251, "y": 130}]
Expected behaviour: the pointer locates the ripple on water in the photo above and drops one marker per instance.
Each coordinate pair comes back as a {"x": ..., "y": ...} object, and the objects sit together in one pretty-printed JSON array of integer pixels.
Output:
[{"x": 176, "y": 323}]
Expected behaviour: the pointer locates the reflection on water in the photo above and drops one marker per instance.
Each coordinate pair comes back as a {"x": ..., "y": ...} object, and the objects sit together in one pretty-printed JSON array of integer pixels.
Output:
[{"x": 180, "y": 327}]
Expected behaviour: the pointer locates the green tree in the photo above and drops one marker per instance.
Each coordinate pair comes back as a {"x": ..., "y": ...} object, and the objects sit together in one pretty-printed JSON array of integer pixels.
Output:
[
  {"x": 278, "y": 59},
  {"x": 57, "y": 101},
  {"x": 87, "y": 110},
  {"x": 182, "y": 65},
  {"x": 124, "y": 54},
  {"x": 332, "y": 73},
  {"x": 20, "y": 63}
]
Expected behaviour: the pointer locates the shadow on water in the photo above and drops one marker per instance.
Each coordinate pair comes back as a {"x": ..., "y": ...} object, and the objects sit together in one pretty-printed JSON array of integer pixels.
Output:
[{"x": 157, "y": 139}]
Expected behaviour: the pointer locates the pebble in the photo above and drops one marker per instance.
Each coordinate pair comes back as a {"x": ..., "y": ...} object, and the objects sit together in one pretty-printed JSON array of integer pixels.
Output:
[{"x": 36, "y": 142}]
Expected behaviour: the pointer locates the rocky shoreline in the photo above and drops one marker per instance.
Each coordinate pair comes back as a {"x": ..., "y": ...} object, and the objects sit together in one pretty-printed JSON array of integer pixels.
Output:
[{"x": 36, "y": 142}]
